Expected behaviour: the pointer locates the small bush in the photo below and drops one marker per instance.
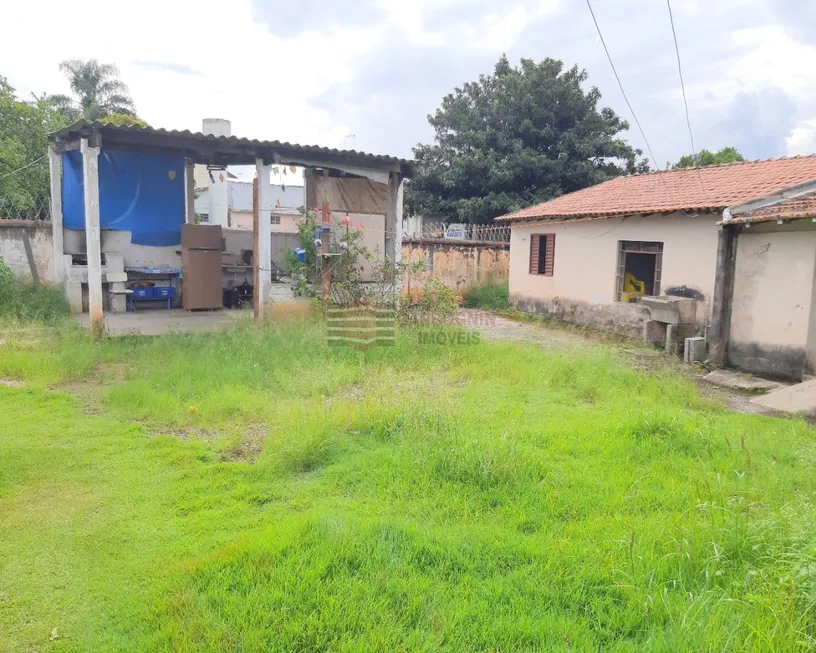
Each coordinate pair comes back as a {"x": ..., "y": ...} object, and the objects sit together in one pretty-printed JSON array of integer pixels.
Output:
[
  {"x": 492, "y": 297},
  {"x": 21, "y": 302}
]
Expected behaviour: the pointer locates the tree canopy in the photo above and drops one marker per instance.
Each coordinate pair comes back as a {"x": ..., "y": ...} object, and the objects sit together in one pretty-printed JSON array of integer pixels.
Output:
[
  {"x": 520, "y": 136},
  {"x": 707, "y": 158},
  {"x": 24, "y": 129},
  {"x": 97, "y": 89}
]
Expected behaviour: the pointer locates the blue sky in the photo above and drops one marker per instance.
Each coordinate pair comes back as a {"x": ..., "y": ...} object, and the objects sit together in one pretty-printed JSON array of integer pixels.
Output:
[{"x": 366, "y": 74}]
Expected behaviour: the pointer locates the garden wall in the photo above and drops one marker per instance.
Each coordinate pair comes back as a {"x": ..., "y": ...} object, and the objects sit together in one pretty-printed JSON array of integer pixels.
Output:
[
  {"x": 459, "y": 264},
  {"x": 13, "y": 236}
]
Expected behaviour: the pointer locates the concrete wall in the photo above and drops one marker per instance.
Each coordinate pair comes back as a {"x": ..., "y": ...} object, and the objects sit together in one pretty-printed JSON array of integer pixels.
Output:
[
  {"x": 459, "y": 265},
  {"x": 773, "y": 327},
  {"x": 583, "y": 286},
  {"x": 12, "y": 247}
]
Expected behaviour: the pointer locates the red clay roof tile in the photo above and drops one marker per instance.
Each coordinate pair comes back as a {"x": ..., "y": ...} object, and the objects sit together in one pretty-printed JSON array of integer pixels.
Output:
[
  {"x": 687, "y": 189},
  {"x": 791, "y": 209}
]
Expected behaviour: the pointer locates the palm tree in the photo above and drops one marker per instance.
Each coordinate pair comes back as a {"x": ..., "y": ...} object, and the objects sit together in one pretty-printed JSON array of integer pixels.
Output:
[{"x": 98, "y": 91}]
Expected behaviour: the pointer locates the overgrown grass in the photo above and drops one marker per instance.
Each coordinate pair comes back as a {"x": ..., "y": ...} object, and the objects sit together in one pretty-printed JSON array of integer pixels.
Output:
[
  {"x": 481, "y": 497},
  {"x": 23, "y": 304},
  {"x": 490, "y": 297}
]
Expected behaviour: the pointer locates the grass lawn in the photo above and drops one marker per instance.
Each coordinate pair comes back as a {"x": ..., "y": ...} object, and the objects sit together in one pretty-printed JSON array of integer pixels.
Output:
[{"x": 257, "y": 490}]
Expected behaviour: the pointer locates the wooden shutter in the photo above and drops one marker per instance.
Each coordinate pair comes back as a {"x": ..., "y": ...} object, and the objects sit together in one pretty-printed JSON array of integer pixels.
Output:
[
  {"x": 535, "y": 243},
  {"x": 550, "y": 254}
]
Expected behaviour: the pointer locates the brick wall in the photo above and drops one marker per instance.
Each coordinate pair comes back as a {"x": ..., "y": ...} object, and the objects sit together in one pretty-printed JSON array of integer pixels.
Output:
[{"x": 461, "y": 265}]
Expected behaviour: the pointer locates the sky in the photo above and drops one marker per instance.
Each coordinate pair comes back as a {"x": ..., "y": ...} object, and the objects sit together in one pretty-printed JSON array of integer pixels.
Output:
[{"x": 365, "y": 74}]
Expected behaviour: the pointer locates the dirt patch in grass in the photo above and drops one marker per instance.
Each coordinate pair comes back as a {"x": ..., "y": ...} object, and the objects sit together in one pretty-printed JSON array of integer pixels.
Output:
[
  {"x": 11, "y": 383},
  {"x": 249, "y": 446}
]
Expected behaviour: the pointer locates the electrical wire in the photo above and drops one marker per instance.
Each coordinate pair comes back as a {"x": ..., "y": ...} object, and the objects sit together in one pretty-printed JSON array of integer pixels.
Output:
[
  {"x": 27, "y": 165},
  {"x": 685, "y": 101},
  {"x": 628, "y": 103}
]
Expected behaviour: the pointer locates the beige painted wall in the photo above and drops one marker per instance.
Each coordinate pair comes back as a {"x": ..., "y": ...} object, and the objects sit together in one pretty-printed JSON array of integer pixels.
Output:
[
  {"x": 12, "y": 247},
  {"x": 586, "y": 254},
  {"x": 773, "y": 330},
  {"x": 460, "y": 266}
]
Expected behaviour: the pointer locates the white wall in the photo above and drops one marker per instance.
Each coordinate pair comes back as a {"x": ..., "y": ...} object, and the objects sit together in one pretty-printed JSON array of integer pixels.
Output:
[
  {"x": 12, "y": 248},
  {"x": 586, "y": 254}
]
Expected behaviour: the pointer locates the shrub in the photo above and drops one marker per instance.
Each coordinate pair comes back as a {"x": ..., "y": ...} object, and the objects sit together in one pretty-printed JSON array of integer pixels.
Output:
[
  {"x": 492, "y": 296},
  {"x": 21, "y": 302}
]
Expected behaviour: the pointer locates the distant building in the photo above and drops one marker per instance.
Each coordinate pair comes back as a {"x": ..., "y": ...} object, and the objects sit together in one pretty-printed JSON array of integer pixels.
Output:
[{"x": 283, "y": 205}]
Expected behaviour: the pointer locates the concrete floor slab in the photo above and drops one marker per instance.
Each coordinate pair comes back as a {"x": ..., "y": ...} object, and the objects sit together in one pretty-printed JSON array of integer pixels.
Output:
[
  {"x": 158, "y": 322},
  {"x": 740, "y": 381},
  {"x": 799, "y": 398}
]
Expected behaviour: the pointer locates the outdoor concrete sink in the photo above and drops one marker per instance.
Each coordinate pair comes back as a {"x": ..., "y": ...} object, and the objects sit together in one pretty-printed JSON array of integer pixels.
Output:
[{"x": 671, "y": 310}]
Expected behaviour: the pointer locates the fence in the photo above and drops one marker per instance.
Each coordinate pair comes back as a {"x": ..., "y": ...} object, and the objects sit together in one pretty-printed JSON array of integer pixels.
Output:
[
  {"x": 472, "y": 232},
  {"x": 29, "y": 209}
]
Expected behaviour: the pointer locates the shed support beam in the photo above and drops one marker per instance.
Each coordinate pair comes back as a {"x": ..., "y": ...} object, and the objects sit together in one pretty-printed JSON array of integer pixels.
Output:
[
  {"x": 393, "y": 219},
  {"x": 723, "y": 294},
  {"x": 56, "y": 217},
  {"x": 189, "y": 192},
  {"x": 93, "y": 246},
  {"x": 263, "y": 258}
]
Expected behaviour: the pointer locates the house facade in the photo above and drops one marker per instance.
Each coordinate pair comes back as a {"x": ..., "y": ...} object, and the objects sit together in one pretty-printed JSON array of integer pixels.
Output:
[{"x": 596, "y": 256}]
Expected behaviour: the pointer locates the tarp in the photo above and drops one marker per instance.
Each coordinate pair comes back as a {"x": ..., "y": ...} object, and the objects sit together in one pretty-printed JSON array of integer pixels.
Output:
[{"x": 140, "y": 193}]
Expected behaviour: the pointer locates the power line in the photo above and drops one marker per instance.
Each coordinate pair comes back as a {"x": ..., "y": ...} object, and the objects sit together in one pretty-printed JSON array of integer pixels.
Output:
[
  {"x": 620, "y": 84},
  {"x": 685, "y": 101},
  {"x": 27, "y": 165}
]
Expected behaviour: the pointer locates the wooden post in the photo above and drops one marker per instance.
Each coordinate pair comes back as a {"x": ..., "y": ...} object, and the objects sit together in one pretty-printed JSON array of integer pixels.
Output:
[
  {"x": 93, "y": 245},
  {"x": 723, "y": 294},
  {"x": 263, "y": 260},
  {"x": 56, "y": 217},
  {"x": 326, "y": 276}
]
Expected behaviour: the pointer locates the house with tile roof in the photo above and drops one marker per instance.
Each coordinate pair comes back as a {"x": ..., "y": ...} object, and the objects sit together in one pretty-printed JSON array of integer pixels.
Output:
[{"x": 737, "y": 240}]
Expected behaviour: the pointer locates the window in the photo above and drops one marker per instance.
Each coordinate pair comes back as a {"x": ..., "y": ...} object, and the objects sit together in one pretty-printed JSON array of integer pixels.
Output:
[
  {"x": 640, "y": 266},
  {"x": 542, "y": 254},
  {"x": 275, "y": 219}
]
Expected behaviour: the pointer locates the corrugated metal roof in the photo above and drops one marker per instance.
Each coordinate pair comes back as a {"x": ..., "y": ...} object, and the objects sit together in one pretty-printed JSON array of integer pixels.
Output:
[
  {"x": 109, "y": 133},
  {"x": 789, "y": 209},
  {"x": 686, "y": 189}
]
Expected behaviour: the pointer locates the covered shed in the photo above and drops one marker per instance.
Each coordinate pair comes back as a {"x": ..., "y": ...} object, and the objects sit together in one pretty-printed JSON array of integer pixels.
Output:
[{"x": 106, "y": 178}]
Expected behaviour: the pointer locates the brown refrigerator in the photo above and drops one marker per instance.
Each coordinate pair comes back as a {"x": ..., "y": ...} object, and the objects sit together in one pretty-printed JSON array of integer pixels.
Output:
[{"x": 201, "y": 266}]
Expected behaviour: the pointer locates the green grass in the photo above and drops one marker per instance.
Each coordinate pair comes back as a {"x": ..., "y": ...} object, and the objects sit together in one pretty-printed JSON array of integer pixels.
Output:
[
  {"x": 493, "y": 497},
  {"x": 23, "y": 304},
  {"x": 490, "y": 297}
]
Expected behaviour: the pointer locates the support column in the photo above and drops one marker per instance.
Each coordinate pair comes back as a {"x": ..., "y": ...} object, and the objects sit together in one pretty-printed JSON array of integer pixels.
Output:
[
  {"x": 56, "y": 217},
  {"x": 263, "y": 260},
  {"x": 325, "y": 274},
  {"x": 93, "y": 246},
  {"x": 723, "y": 294},
  {"x": 189, "y": 192},
  {"x": 393, "y": 220}
]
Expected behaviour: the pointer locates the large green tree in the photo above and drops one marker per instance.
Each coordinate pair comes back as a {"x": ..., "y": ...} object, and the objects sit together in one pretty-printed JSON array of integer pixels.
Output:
[
  {"x": 520, "y": 136},
  {"x": 24, "y": 128},
  {"x": 97, "y": 89},
  {"x": 708, "y": 158}
]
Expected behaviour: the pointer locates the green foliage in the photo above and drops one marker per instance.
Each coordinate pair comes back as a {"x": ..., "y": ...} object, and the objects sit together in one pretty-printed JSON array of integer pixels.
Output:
[
  {"x": 97, "y": 89},
  {"x": 305, "y": 274},
  {"x": 490, "y": 297},
  {"x": 122, "y": 120},
  {"x": 540, "y": 500},
  {"x": 707, "y": 158},
  {"x": 24, "y": 129},
  {"x": 520, "y": 136},
  {"x": 21, "y": 303},
  {"x": 437, "y": 299}
]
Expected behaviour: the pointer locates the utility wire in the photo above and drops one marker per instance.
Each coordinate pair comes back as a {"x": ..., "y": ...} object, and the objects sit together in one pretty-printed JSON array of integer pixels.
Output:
[
  {"x": 685, "y": 101},
  {"x": 626, "y": 98},
  {"x": 620, "y": 84},
  {"x": 27, "y": 165}
]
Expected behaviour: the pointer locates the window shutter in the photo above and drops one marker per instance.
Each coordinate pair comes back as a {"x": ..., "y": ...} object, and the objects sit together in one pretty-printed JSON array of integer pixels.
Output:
[
  {"x": 550, "y": 255},
  {"x": 535, "y": 242}
]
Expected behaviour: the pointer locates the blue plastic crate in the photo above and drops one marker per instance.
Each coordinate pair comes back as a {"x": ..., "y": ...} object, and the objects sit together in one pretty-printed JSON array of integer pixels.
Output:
[
  {"x": 142, "y": 293},
  {"x": 164, "y": 292}
]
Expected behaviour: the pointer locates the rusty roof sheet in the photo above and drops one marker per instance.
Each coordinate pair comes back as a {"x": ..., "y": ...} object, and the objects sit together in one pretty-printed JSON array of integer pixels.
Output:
[
  {"x": 687, "y": 189},
  {"x": 358, "y": 158}
]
